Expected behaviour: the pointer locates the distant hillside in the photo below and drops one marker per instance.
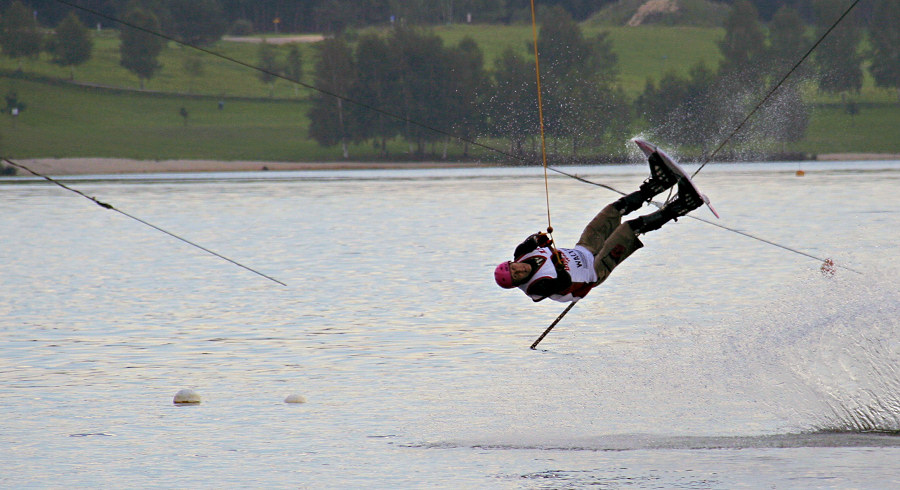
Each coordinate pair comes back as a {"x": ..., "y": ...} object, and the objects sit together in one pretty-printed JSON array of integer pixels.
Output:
[{"x": 700, "y": 13}]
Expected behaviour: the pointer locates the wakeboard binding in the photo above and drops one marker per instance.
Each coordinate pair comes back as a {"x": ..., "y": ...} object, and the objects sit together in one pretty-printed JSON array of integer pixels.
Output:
[{"x": 661, "y": 177}]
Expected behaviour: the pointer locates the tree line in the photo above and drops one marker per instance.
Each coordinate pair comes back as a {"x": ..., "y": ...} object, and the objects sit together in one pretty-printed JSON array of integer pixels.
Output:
[
  {"x": 433, "y": 91},
  {"x": 447, "y": 87},
  {"x": 332, "y": 15},
  {"x": 423, "y": 84},
  {"x": 312, "y": 15},
  {"x": 708, "y": 105}
]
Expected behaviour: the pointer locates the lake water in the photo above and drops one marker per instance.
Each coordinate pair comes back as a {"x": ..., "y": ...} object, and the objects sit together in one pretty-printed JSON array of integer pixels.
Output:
[{"x": 708, "y": 360}]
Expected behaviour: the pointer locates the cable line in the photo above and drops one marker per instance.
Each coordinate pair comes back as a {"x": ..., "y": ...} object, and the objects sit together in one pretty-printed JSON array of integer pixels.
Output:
[
  {"x": 537, "y": 72},
  {"x": 135, "y": 218},
  {"x": 777, "y": 85},
  {"x": 748, "y": 235}
]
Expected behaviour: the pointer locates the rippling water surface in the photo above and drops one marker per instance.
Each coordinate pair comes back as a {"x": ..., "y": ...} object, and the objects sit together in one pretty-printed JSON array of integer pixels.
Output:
[{"x": 709, "y": 359}]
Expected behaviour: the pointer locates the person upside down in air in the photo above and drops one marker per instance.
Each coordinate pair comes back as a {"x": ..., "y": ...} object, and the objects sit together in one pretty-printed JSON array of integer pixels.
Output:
[{"x": 568, "y": 274}]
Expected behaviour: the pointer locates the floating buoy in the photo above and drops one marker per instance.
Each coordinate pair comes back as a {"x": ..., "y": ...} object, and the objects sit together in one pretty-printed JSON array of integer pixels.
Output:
[
  {"x": 295, "y": 398},
  {"x": 828, "y": 268},
  {"x": 800, "y": 173},
  {"x": 186, "y": 397}
]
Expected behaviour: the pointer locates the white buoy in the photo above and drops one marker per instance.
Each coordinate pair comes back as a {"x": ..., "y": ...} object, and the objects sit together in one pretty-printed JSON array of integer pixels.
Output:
[
  {"x": 295, "y": 398},
  {"x": 186, "y": 396}
]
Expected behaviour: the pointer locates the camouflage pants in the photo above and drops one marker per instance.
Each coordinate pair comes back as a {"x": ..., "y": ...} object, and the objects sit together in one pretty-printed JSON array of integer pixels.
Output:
[{"x": 610, "y": 240}]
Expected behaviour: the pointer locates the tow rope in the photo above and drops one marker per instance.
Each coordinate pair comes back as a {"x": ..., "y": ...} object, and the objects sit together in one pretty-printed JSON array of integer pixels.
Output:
[{"x": 537, "y": 73}]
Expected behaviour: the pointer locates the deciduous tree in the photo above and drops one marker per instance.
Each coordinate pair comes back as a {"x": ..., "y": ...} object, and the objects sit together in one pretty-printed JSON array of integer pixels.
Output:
[
  {"x": 577, "y": 80},
  {"x": 293, "y": 65},
  {"x": 470, "y": 87},
  {"x": 20, "y": 36},
  {"x": 377, "y": 85},
  {"x": 513, "y": 106},
  {"x": 884, "y": 33},
  {"x": 422, "y": 74},
  {"x": 787, "y": 42},
  {"x": 198, "y": 22},
  {"x": 682, "y": 110},
  {"x": 743, "y": 44},
  {"x": 268, "y": 62},
  {"x": 193, "y": 67},
  {"x": 72, "y": 43},
  {"x": 139, "y": 51},
  {"x": 838, "y": 60},
  {"x": 335, "y": 74}
]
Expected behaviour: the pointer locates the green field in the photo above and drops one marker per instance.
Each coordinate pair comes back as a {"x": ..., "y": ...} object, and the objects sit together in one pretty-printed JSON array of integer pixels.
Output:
[
  {"x": 63, "y": 120},
  {"x": 875, "y": 129},
  {"x": 642, "y": 51},
  {"x": 69, "y": 121},
  {"x": 219, "y": 76}
]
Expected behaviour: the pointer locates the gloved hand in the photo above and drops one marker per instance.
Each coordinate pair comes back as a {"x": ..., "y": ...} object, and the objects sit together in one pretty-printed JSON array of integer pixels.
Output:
[
  {"x": 531, "y": 243},
  {"x": 541, "y": 239},
  {"x": 557, "y": 261}
]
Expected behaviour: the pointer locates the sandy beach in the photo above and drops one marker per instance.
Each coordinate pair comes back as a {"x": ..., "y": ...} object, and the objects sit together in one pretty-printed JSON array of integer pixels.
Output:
[
  {"x": 306, "y": 38},
  {"x": 852, "y": 157}
]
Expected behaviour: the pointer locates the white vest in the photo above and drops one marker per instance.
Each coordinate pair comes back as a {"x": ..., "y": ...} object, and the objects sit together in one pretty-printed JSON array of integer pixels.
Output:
[{"x": 578, "y": 261}]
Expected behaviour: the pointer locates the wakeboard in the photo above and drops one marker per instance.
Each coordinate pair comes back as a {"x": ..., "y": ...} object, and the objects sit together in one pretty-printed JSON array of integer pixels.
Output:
[{"x": 649, "y": 148}]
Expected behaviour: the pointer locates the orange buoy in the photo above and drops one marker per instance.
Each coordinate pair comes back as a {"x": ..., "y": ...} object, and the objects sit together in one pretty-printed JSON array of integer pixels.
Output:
[{"x": 800, "y": 173}]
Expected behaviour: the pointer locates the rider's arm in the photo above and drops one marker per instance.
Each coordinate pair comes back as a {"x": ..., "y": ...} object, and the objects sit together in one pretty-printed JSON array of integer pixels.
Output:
[
  {"x": 547, "y": 286},
  {"x": 531, "y": 243}
]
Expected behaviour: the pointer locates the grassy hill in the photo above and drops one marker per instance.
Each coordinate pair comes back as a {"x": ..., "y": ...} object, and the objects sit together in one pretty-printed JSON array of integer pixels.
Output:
[
  {"x": 643, "y": 51},
  {"x": 260, "y": 122},
  {"x": 62, "y": 120},
  {"x": 219, "y": 77}
]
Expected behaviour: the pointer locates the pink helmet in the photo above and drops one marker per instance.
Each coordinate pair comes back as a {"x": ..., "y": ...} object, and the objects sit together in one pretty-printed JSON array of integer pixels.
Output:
[{"x": 503, "y": 276}]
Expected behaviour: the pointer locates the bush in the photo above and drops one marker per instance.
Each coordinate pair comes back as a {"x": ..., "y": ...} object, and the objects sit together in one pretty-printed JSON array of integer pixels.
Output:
[{"x": 242, "y": 27}]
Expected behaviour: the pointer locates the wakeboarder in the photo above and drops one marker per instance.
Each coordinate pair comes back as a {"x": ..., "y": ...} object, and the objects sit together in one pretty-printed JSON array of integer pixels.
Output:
[{"x": 568, "y": 274}]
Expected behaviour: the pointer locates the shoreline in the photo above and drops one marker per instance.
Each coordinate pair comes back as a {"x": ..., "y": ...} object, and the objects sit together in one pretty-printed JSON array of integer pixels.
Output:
[
  {"x": 90, "y": 166},
  {"x": 834, "y": 157}
]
